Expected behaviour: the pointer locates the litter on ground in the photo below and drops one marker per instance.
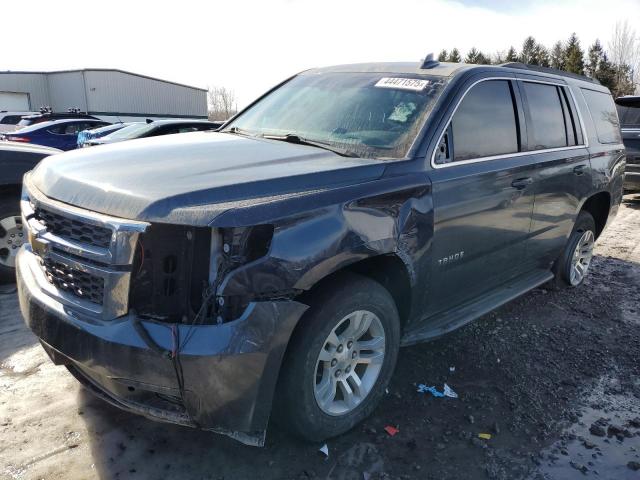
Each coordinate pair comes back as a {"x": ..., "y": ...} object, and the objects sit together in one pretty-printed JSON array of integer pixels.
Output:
[
  {"x": 325, "y": 449},
  {"x": 447, "y": 392},
  {"x": 391, "y": 430}
]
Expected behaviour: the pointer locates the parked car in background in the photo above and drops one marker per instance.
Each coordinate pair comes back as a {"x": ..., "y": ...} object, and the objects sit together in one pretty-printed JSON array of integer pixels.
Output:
[
  {"x": 61, "y": 134},
  {"x": 16, "y": 159},
  {"x": 48, "y": 116},
  {"x": 99, "y": 132},
  {"x": 629, "y": 114},
  {"x": 154, "y": 128},
  {"x": 9, "y": 120},
  {"x": 281, "y": 262}
]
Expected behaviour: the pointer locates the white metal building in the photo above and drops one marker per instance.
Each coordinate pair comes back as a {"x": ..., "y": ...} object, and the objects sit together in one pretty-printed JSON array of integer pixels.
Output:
[{"x": 109, "y": 94}]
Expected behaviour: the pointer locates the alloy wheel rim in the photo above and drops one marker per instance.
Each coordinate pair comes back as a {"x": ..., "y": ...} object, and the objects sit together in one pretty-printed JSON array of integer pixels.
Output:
[
  {"x": 582, "y": 256},
  {"x": 11, "y": 239},
  {"x": 349, "y": 363}
]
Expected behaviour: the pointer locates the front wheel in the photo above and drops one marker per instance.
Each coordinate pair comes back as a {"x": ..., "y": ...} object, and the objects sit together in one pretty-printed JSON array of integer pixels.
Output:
[
  {"x": 573, "y": 265},
  {"x": 340, "y": 359}
]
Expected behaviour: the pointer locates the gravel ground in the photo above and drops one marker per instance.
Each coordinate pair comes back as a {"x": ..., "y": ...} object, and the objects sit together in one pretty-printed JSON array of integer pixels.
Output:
[{"x": 552, "y": 377}]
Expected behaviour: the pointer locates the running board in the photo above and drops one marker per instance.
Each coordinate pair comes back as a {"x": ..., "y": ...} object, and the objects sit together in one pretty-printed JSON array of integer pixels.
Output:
[{"x": 440, "y": 324}]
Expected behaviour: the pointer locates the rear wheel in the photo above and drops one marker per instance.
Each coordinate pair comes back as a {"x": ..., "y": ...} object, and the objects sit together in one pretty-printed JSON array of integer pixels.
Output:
[
  {"x": 573, "y": 265},
  {"x": 340, "y": 359},
  {"x": 12, "y": 235}
]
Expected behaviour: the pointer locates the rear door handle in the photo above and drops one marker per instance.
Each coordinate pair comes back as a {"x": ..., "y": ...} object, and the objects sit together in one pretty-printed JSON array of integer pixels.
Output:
[
  {"x": 579, "y": 169},
  {"x": 521, "y": 183}
]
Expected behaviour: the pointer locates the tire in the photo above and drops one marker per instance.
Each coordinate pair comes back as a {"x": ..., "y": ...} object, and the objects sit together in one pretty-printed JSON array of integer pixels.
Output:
[
  {"x": 303, "y": 373},
  {"x": 10, "y": 224},
  {"x": 583, "y": 236}
]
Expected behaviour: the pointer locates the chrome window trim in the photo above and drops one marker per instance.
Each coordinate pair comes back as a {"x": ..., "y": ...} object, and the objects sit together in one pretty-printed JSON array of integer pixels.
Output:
[{"x": 585, "y": 140}]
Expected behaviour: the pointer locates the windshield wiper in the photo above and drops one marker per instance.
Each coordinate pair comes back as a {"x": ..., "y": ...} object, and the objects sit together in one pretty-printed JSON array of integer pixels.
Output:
[
  {"x": 293, "y": 138},
  {"x": 238, "y": 131}
]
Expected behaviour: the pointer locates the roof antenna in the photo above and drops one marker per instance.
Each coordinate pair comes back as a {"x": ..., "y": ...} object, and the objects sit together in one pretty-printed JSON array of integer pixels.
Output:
[{"x": 429, "y": 62}]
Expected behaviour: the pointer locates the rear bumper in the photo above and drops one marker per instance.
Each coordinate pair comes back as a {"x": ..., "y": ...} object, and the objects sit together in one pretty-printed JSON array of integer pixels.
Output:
[{"x": 229, "y": 370}]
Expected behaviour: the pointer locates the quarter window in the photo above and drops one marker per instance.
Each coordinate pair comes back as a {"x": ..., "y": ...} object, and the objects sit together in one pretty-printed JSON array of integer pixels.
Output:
[
  {"x": 484, "y": 124},
  {"x": 546, "y": 127},
  {"x": 603, "y": 112}
]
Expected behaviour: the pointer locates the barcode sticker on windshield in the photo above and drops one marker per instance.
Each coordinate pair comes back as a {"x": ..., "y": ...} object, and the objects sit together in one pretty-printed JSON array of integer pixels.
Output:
[{"x": 402, "y": 83}]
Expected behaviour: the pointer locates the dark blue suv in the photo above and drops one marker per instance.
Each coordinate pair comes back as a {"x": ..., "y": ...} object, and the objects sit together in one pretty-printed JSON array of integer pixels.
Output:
[
  {"x": 61, "y": 134},
  {"x": 280, "y": 263}
]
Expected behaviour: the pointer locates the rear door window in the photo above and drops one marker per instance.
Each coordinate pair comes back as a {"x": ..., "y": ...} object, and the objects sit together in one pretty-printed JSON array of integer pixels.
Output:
[
  {"x": 546, "y": 125},
  {"x": 604, "y": 115},
  {"x": 484, "y": 125},
  {"x": 73, "y": 128},
  {"x": 58, "y": 129}
]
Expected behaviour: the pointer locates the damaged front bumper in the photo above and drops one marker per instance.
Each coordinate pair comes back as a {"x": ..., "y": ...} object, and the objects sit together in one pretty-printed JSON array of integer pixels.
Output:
[{"x": 229, "y": 370}]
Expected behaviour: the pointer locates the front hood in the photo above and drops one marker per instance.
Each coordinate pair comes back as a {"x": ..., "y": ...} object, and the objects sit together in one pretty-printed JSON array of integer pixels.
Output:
[{"x": 191, "y": 178}]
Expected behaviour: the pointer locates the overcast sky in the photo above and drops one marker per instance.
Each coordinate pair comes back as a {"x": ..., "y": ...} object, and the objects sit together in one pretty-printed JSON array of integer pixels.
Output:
[{"x": 251, "y": 45}]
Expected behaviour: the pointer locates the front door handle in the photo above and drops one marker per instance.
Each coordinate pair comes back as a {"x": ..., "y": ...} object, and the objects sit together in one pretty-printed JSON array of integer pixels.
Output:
[
  {"x": 521, "y": 183},
  {"x": 579, "y": 169}
]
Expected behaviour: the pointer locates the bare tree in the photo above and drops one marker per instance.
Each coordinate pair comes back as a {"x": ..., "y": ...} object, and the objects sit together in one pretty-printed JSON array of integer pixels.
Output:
[
  {"x": 222, "y": 103},
  {"x": 624, "y": 54}
]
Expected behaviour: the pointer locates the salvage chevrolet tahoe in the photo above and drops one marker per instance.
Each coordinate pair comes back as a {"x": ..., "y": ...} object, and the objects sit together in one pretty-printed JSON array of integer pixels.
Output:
[{"x": 208, "y": 279}]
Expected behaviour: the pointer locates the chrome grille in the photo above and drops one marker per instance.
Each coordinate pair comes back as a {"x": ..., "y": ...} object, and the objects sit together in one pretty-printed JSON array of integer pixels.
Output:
[
  {"x": 72, "y": 229},
  {"x": 84, "y": 258},
  {"x": 80, "y": 284}
]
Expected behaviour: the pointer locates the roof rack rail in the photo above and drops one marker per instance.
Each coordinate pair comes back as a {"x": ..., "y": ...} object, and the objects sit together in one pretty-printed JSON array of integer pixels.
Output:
[{"x": 553, "y": 71}]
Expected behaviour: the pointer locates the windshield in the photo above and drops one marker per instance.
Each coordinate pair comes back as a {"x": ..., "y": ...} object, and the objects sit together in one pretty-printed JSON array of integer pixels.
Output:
[
  {"x": 371, "y": 115},
  {"x": 132, "y": 131}
]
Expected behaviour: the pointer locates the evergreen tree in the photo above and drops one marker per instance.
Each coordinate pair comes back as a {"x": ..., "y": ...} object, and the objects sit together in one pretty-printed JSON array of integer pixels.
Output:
[
  {"x": 472, "y": 56},
  {"x": 483, "y": 59},
  {"x": 542, "y": 56},
  {"x": 528, "y": 53},
  {"x": 476, "y": 56},
  {"x": 557, "y": 56},
  {"x": 454, "y": 56},
  {"x": 512, "y": 56},
  {"x": 606, "y": 75},
  {"x": 574, "y": 61},
  {"x": 442, "y": 57},
  {"x": 594, "y": 58}
]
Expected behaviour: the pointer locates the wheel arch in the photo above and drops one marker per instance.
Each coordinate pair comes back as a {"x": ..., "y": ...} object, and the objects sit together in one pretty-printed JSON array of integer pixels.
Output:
[
  {"x": 598, "y": 205},
  {"x": 387, "y": 269}
]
